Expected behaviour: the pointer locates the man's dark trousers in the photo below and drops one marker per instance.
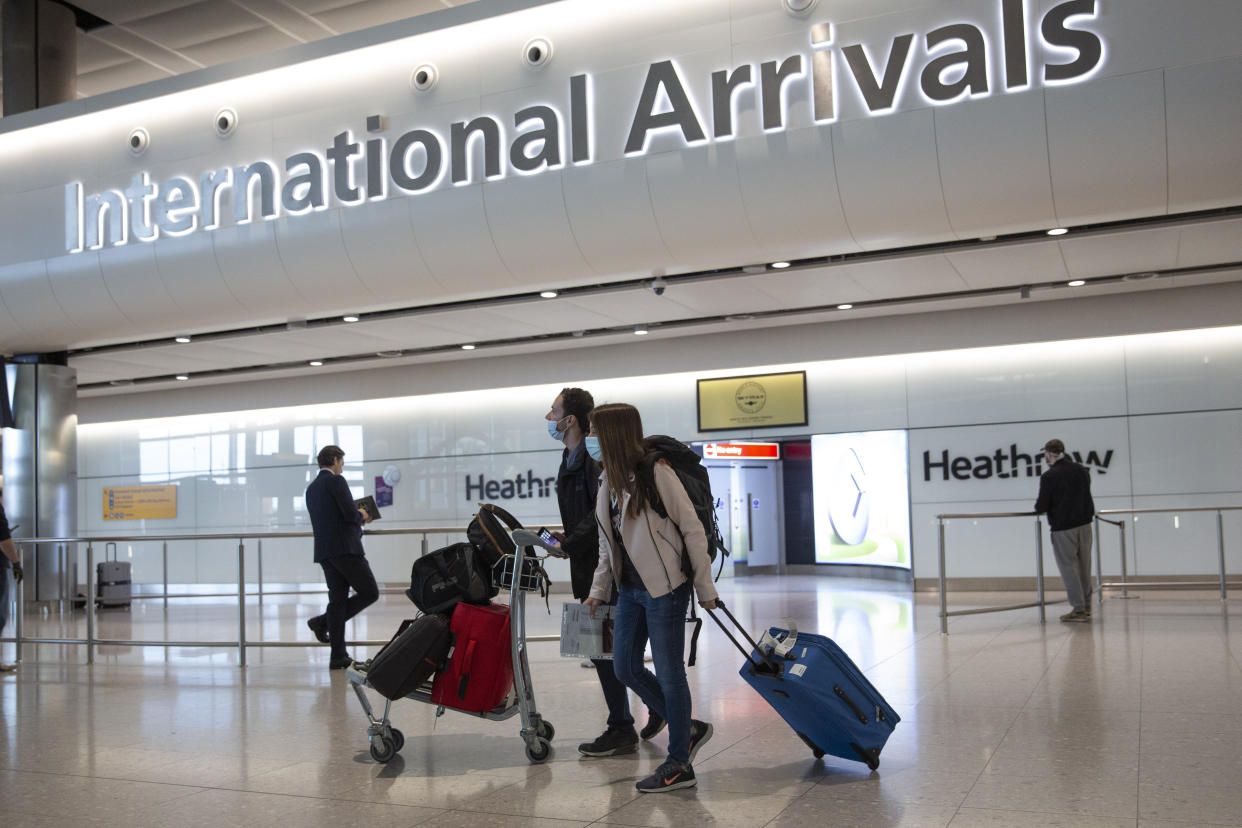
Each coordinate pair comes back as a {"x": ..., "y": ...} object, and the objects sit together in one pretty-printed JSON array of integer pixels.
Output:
[{"x": 342, "y": 572}]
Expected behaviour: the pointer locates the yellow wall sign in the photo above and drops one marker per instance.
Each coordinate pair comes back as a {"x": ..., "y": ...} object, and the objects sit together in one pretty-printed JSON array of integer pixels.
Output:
[
  {"x": 758, "y": 401},
  {"x": 139, "y": 502}
]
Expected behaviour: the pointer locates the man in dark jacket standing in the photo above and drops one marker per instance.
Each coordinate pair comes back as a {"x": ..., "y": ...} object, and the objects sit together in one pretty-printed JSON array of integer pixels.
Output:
[
  {"x": 337, "y": 524},
  {"x": 577, "y": 482},
  {"x": 1065, "y": 495}
]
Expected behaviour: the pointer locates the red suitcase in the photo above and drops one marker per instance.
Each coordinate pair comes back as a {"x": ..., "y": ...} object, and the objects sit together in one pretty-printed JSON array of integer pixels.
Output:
[{"x": 480, "y": 673}]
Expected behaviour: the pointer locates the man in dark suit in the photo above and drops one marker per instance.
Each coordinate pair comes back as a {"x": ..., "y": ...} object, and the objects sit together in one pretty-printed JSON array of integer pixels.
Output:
[{"x": 337, "y": 524}]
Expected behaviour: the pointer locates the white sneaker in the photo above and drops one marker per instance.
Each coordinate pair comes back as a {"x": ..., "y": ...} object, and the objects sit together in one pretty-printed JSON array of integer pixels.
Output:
[
  {"x": 586, "y": 664},
  {"x": 8, "y": 668}
]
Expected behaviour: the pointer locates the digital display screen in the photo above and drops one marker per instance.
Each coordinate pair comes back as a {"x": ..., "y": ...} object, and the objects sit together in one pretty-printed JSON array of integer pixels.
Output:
[{"x": 861, "y": 486}]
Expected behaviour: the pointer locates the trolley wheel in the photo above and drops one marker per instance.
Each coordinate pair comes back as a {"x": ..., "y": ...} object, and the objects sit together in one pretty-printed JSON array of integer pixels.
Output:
[
  {"x": 546, "y": 730},
  {"x": 383, "y": 749},
  {"x": 398, "y": 739},
  {"x": 539, "y": 755}
]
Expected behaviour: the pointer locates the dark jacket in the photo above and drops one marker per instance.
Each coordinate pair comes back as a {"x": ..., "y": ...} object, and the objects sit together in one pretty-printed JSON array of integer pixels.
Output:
[
  {"x": 1065, "y": 495},
  {"x": 577, "y": 483},
  {"x": 334, "y": 517}
]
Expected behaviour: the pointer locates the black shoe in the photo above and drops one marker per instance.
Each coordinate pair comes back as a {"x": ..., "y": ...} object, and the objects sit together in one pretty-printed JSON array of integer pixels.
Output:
[
  {"x": 668, "y": 777},
  {"x": 655, "y": 723},
  {"x": 340, "y": 663},
  {"x": 319, "y": 626},
  {"x": 700, "y": 732},
  {"x": 611, "y": 742}
]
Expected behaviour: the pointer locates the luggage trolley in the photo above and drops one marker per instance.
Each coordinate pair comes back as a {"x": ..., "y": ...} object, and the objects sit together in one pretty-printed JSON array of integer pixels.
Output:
[{"x": 537, "y": 733}]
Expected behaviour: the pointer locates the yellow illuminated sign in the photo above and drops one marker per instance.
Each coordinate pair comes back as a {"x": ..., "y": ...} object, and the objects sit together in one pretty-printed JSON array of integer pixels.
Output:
[
  {"x": 139, "y": 502},
  {"x": 757, "y": 401}
]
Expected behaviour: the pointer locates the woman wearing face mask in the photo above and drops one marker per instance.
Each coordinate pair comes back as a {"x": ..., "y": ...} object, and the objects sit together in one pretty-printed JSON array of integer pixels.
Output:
[{"x": 642, "y": 554}]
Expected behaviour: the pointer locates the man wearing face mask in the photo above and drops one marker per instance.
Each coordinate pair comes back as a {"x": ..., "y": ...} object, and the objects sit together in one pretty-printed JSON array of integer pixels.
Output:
[{"x": 577, "y": 482}]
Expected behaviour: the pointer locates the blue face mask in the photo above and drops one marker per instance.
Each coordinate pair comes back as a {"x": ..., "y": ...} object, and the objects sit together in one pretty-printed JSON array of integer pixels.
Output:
[
  {"x": 554, "y": 432},
  {"x": 592, "y": 447}
]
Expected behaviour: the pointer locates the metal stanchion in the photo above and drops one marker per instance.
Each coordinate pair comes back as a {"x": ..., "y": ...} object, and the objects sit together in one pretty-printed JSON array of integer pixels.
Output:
[
  {"x": 1039, "y": 571},
  {"x": 165, "y": 574},
  {"x": 1220, "y": 549},
  {"x": 1124, "y": 592},
  {"x": 90, "y": 603},
  {"x": 944, "y": 607},
  {"x": 1099, "y": 566},
  {"x": 19, "y": 624},
  {"x": 423, "y": 546},
  {"x": 259, "y": 564},
  {"x": 241, "y": 602}
]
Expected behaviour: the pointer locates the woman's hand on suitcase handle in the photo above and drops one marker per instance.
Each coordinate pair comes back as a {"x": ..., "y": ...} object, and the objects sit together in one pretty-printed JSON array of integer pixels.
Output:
[
  {"x": 709, "y": 604},
  {"x": 591, "y": 605}
]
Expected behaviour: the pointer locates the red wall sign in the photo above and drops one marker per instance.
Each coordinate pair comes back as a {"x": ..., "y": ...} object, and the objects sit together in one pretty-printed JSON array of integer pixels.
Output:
[{"x": 742, "y": 451}]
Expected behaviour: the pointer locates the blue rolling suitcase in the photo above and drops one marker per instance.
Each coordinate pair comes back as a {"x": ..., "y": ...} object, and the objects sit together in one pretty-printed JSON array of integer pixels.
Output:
[{"x": 818, "y": 691}]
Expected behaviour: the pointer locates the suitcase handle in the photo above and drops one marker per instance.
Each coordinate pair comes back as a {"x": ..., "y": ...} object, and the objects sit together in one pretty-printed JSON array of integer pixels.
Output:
[{"x": 766, "y": 666}]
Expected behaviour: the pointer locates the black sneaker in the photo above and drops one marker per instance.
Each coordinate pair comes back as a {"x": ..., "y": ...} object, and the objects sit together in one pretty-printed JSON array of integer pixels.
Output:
[
  {"x": 668, "y": 777},
  {"x": 700, "y": 732},
  {"x": 340, "y": 663},
  {"x": 655, "y": 723},
  {"x": 611, "y": 742},
  {"x": 319, "y": 626}
]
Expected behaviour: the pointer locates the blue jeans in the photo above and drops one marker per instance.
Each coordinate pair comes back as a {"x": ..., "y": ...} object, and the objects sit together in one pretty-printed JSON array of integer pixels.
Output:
[{"x": 665, "y": 691}]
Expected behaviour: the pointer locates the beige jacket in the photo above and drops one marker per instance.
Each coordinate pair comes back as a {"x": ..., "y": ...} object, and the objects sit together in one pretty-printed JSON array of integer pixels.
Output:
[{"x": 654, "y": 543}]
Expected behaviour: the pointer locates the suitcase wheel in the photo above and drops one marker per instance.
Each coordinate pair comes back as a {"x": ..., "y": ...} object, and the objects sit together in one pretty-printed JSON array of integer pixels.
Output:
[{"x": 871, "y": 757}]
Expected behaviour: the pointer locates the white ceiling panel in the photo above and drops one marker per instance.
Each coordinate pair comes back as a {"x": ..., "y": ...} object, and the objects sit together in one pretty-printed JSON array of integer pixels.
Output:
[
  {"x": 1205, "y": 170},
  {"x": 1016, "y": 152},
  {"x": 1106, "y": 141},
  {"x": 1009, "y": 265},
  {"x": 194, "y": 23},
  {"x": 890, "y": 180},
  {"x": 239, "y": 46},
  {"x": 809, "y": 287},
  {"x": 912, "y": 276},
  {"x": 1210, "y": 243},
  {"x": 1116, "y": 253}
]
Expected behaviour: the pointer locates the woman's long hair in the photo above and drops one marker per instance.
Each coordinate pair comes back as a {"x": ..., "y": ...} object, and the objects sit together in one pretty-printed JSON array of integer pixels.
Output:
[{"x": 620, "y": 431}]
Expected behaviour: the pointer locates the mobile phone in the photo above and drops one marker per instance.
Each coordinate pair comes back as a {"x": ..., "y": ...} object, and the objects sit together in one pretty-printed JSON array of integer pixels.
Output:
[{"x": 548, "y": 538}]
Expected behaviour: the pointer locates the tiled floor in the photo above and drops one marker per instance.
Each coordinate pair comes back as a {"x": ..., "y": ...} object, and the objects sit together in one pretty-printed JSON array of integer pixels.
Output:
[{"x": 1134, "y": 720}]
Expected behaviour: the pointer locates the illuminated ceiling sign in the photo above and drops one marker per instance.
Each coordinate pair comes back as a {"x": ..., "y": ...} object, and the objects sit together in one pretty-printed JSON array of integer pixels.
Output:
[
  {"x": 953, "y": 62},
  {"x": 742, "y": 451}
]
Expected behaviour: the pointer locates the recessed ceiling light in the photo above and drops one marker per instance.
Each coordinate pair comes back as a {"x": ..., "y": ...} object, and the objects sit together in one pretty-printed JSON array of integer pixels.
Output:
[
  {"x": 548, "y": 294},
  {"x": 1077, "y": 283},
  {"x": 779, "y": 265},
  {"x": 640, "y": 330},
  {"x": 467, "y": 347},
  {"x": 182, "y": 339},
  {"x": 350, "y": 318},
  {"x": 1058, "y": 231},
  {"x": 844, "y": 307},
  {"x": 314, "y": 363},
  {"x": 182, "y": 377}
]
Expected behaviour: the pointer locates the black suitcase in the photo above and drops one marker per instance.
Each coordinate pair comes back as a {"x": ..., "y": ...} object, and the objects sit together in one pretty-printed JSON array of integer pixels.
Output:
[{"x": 420, "y": 649}]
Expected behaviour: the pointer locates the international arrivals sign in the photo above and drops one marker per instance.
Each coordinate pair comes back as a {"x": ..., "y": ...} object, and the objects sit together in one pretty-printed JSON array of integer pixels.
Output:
[{"x": 958, "y": 60}]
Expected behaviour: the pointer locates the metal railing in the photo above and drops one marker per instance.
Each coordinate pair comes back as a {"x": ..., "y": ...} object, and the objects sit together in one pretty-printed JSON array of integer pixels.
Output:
[
  {"x": 1124, "y": 584},
  {"x": 91, "y": 641},
  {"x": 945, "y": 614}
]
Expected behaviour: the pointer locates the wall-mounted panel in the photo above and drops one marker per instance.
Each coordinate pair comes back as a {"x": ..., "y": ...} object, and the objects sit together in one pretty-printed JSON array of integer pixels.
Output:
[
  {"x": 1106, "y": 141},
  {"x": 1205, "y": 169}
]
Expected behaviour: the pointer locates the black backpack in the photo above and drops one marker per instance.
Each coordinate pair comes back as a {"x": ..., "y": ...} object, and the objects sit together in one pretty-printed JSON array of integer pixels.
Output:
[
  {"x": 488, "y": 532},
  {"x": 693, "y": 476}
]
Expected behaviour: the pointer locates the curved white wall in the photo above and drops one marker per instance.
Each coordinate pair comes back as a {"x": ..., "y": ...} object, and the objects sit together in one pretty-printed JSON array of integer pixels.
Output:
[{"x": 1142, "y": 135}]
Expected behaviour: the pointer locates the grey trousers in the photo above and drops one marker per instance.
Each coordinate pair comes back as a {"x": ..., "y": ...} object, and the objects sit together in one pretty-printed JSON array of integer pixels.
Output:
[{"x": 1072, "y": 548}]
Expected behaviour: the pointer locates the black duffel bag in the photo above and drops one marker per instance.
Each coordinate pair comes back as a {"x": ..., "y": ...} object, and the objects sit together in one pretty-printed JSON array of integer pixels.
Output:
[
  {"x": 441, "y": 579},
  {"x": 418, "y": 650}
]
